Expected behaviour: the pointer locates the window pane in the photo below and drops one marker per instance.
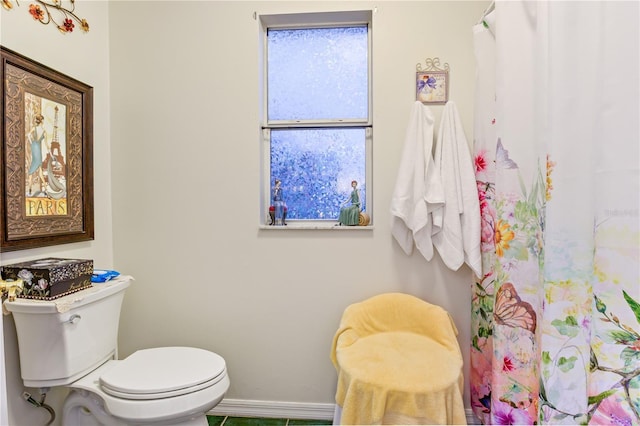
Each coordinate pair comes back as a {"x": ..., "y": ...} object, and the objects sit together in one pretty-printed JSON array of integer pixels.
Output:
[
  {"x": 317, "y": 74},
  {"x": 316, "y": 167}
]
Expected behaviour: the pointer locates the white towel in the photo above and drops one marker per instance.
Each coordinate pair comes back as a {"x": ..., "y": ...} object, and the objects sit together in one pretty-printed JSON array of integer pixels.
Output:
[
  {"x": 418, "y": 191},
  {"x": 459, "y": 240}
]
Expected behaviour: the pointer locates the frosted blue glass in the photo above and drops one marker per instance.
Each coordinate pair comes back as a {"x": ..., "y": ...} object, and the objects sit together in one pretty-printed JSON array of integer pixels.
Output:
[
  {"x": 316, "y": 167},
  {"x": 317, "y": 74}
]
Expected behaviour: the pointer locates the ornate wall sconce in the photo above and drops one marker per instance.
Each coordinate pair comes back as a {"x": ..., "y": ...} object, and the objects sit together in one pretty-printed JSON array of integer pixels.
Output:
[{"x": 53, "y": 11}]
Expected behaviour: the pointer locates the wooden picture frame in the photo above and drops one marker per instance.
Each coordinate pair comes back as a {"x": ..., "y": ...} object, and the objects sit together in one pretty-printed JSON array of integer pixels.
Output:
[{"x": 46, "y": 178}]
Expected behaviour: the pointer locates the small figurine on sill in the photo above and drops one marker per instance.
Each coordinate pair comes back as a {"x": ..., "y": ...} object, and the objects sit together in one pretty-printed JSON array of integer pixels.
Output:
[
  {"x": 279, "y": 213},
  {"x": 350, "y": 215}
]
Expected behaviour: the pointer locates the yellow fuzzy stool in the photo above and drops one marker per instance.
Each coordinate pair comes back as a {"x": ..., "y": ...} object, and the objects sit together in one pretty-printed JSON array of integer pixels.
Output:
[{"x": 398, "y": 362}]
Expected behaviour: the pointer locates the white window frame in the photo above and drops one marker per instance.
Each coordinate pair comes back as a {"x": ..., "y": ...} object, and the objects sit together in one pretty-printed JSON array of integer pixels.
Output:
[{"x": 301, "y": 21}]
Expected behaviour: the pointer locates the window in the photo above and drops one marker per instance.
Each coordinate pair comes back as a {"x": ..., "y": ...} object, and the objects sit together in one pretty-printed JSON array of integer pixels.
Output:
[{"x": 317, "y": 124}]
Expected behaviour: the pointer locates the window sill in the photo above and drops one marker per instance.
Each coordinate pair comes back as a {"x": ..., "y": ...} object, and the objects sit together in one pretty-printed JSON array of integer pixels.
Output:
[{"x": 308, "y": 226}]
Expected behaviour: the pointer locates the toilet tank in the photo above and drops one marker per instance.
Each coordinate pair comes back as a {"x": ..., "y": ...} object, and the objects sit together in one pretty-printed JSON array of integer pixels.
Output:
[{"x": 62, "y": 340}]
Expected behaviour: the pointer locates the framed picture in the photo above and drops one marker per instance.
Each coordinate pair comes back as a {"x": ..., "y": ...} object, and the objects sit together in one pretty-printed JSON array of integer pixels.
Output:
[
  {"x": 46, "y": 177},
  {"x": 432, "y": 87}
]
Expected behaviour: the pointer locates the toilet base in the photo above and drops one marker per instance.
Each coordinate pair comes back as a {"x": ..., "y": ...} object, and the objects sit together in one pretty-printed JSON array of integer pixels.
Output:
[{"x": 83, "y": 408}]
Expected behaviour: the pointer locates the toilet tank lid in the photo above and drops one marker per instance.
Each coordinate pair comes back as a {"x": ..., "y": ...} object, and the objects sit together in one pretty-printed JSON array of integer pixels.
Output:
[
  {"x": 166, "y": 369},
  {"x": 68, "y": 302}
]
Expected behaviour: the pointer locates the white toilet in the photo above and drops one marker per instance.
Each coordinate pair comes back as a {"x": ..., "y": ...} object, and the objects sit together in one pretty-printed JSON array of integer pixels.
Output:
[{"x": 72, "y": 342}]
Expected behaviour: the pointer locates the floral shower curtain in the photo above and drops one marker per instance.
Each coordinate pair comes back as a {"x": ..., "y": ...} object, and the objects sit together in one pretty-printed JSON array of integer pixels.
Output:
[{"x": 556, "y": 314}]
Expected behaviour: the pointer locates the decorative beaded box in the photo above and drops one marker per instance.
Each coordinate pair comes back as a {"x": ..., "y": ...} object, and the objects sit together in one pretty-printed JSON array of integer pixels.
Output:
[{"x": 50, "y": 278}]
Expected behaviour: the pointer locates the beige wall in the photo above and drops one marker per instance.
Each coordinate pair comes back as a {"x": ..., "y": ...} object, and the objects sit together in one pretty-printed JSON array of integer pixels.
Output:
[
  {"x": 178, "y": 157},
  {"x": 185, "y": 126}
]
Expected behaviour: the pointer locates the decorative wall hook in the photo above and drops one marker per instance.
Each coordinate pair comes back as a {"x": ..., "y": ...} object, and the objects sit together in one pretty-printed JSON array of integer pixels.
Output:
[
  {"x": 432, "y": 82},
  {"x": 432, "y": 64},
  {"x": 52, "y": 11}
]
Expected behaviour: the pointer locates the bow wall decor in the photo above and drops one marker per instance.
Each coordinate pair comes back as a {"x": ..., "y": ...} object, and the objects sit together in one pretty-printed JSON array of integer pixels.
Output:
[{"x": 53, "y": 11}]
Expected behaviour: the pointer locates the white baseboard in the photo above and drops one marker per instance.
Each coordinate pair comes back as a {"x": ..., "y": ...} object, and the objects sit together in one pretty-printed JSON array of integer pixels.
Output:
[
  {"x": 273, "y": 409},
  {"x": 287, "y": 410},
  {"x": 471, "y": 418}
]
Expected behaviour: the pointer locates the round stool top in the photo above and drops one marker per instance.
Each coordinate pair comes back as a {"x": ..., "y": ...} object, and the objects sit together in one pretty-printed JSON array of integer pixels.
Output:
[{"x": 401, "y": 361}]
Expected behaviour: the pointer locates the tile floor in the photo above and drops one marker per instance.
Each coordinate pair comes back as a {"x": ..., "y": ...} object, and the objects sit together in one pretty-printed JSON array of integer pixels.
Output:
[{"x": 253, "y": 421}]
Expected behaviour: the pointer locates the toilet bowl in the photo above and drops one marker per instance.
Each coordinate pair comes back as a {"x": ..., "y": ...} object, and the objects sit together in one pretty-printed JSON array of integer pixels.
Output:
[
  {"x": 159, "y": 386},
  {"x": 169, "y": 385}
]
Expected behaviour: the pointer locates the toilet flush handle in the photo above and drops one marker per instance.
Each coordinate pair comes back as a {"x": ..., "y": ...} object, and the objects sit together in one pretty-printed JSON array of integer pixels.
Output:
[{"x": 74, "y": 319}]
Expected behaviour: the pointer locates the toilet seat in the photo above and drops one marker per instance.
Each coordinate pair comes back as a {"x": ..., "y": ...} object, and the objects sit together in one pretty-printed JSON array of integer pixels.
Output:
[{"x": 163, "y": 373}]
